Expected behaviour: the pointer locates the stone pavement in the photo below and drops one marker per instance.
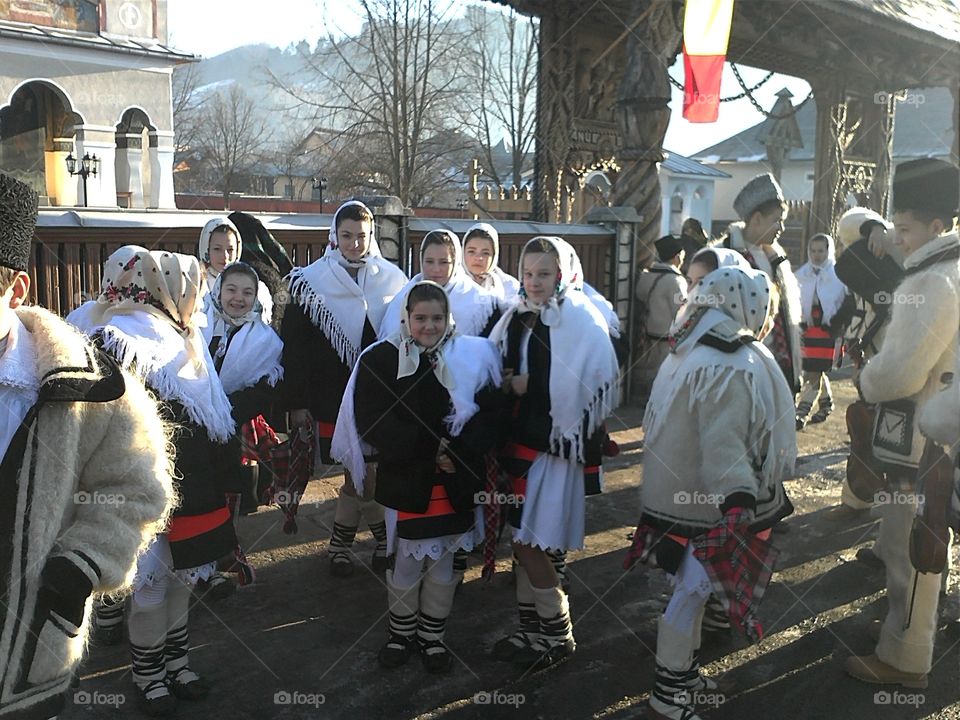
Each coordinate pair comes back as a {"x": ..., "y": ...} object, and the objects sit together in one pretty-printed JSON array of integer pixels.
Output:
[{"x": 302, "y": 644}]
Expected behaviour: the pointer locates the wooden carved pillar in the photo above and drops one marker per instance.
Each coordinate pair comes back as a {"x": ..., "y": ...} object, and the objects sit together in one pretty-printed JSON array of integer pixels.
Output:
[
  {"x": 828, "y": 163},
  {"x": 876, "y": 145},
  {"x": 555, "y": 112},
  {"x": 643, "y": 113}
]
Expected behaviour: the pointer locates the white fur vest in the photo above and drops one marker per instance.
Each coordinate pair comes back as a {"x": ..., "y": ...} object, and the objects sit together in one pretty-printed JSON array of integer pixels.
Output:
[{"x": 84, "y": 486}]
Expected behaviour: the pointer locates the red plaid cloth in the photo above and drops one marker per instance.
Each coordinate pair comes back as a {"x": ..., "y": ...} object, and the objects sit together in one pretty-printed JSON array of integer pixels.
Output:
[
  {"x": 292, "y": 467},
  {"x": 492, "y": 521},
  {"x": 643, "y": 545},
  {"x": 739, "y": 564},
  {"x": 257, "y": 440}
]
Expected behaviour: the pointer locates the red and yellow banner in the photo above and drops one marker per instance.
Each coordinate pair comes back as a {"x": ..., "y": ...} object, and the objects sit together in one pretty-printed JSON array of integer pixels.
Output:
[{"x": 706, "y": 31}]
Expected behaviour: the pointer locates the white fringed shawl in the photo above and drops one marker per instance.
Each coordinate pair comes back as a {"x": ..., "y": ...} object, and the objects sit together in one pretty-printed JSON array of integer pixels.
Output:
[{"x": 584, "y": 376}]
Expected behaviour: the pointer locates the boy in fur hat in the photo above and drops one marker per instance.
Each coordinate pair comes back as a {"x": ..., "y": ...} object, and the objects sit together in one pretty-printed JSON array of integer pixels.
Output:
[
  {"x": 84, "y": 483},
  {"x": 762, "y": 212},
  {"x": 919, "y": 347}
]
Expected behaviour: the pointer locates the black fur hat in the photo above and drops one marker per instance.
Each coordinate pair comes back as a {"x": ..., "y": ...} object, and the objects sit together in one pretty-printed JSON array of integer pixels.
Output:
[
  {"x": 927, "y": 185},
  {"x": 18, "y": 218}
]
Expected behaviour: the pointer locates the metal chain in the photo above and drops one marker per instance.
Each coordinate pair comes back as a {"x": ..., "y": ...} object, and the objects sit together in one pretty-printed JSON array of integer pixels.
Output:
[
  {"x": 736, "y": 72},
  {"x": 748, "y": 93}
]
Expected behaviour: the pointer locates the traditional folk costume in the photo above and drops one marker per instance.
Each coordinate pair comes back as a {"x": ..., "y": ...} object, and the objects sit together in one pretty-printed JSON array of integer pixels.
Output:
[
  {"x": 661, "y": 291},
  {"x": 555, "y": 437},
  {"x": 209, "y": 276},
  {"x": 504, "y": 286},
  {"x": 825, "y": 307},
  {"x": 919, "y": 347},
  {"x": 871, "y": 281},
  {"x": 246, "y": 354},
  {"x": 784, "y": 339},
  {"x": 336, "y": 307},
  {"x": 85, "y": 482},
  {"x": 144, "y": 318},
  {"x": 707, "y": 505},
  {"x": 475, "y": 309},
  {"x": 402, "y": 401}
]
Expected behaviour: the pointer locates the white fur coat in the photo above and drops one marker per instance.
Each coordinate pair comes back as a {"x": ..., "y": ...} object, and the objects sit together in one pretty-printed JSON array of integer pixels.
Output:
[{"x": 92, "y": 490}]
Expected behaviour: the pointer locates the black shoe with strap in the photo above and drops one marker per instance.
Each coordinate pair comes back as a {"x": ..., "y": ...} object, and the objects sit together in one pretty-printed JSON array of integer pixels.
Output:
[
  {"x": 187, "y": 685},
  {"x": 156, "y": 700},
  {"x": 437, "y": 660},
  {"x": 397, "y": 651}
]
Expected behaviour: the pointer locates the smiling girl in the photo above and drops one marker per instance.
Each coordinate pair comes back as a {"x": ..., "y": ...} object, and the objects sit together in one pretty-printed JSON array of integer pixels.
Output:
[
  {"x": 481, "y": 253},
  {"x": 338, "y": 302},
  {"x": 220, "y": 245},
  {"x": 561, "y": 377},
  {"x": 427, "y": 400},
  {"x": 246, "y": 355},
  {"x": 474, "y": 309}
]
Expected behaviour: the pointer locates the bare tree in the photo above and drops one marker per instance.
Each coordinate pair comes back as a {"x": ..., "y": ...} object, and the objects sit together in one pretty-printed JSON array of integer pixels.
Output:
[
  {"x": 391, "y": 93},
  {"x": 231, "y": 133},
  {"x": 505, "y": 51},
  {"x": 186, "y": 112}
]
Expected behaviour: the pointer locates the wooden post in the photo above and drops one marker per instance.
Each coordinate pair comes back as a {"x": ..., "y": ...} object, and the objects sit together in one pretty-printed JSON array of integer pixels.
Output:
[
  {"x": 643, "y": 113},
  {"x": 827, "y": 166}
]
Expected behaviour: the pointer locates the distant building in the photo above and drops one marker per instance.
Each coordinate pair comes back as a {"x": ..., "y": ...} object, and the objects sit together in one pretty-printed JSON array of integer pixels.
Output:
[
  {"x": 79, "y": 77},
  {"x": 687, "y": 189},
  {"x": 922, "y": 128}
]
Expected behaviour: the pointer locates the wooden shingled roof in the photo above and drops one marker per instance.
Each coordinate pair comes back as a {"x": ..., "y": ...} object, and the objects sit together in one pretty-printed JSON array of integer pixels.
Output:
[{"x": 884, "y": 44}]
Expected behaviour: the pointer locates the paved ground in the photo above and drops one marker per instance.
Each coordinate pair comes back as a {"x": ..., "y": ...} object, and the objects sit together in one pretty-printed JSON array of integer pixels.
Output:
[{"x": 301, "y": 644}]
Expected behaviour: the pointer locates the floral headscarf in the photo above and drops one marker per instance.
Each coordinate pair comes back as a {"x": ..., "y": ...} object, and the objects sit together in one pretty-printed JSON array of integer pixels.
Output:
[{"x": 146, "y": 313}]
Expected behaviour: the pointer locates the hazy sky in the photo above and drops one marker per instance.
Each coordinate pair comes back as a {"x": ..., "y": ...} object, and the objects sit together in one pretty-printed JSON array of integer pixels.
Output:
[{"x": 210, "y": 27}]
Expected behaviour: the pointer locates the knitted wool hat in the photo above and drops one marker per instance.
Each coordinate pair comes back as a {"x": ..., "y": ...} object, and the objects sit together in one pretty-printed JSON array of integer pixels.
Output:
[
  {"x": 668, "y": 247},
  {"x": 755, "y": 193},
  {"x": 18, "y": 218},
  {"x": 926, "y": 184}
]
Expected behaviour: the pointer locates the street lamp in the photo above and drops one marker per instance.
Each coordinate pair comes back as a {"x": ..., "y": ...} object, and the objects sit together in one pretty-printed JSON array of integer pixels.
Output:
[
  {"x": 320, "y": 183},
  {"x": 88, "y": 166},
  {"x": 462, "y": 205}
]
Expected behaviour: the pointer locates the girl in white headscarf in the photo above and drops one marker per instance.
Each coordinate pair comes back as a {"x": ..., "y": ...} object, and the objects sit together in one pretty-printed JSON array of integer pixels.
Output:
[
  {"x": 474, "y": 309},
  {"x": 825, "y": 311},
  {"x": 426, "y": 399},
  {"x": 562, "y": 380},
  {"x": 145, "y": 318},
  {"x": 220, "y": 244},
  {"x": 246, "y": 353},
  {"x": 337, "y": 305},
  {"x": 719, "y": 442},
  {"x": 481, "y": 257}
]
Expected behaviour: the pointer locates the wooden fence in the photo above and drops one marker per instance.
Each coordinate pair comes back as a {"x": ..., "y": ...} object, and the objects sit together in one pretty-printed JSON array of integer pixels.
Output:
[{"x": 67, "y": 262}]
